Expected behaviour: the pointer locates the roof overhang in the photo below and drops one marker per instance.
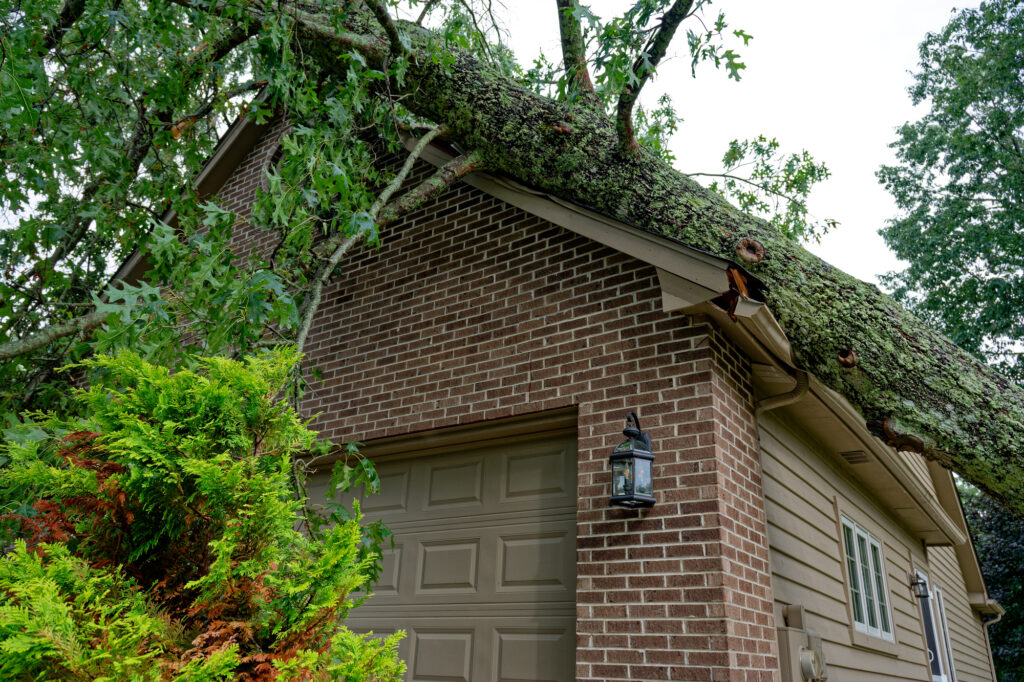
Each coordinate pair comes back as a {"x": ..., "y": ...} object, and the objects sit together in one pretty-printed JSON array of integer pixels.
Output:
[
  {"x": 696, "y": 283},
  {"x": 231, "y": 150}
]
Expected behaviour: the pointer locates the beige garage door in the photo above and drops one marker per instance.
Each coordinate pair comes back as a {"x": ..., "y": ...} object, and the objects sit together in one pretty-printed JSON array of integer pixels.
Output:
[{"x": 483, "y": 574}]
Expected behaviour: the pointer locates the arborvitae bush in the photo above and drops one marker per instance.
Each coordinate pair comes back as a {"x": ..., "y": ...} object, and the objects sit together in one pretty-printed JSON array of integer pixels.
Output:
[{"x": 159, "y": 537}]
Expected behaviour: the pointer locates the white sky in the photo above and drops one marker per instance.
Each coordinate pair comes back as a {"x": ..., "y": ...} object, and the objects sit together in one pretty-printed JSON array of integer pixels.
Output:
[{"x": 822, "y": 75}]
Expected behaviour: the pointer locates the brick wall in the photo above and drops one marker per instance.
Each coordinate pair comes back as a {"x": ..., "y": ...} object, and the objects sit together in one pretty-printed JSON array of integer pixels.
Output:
[{"x": 474, "y": 310}]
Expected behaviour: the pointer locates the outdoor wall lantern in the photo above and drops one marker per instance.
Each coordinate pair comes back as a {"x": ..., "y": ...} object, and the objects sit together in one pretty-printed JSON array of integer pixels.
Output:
[
  {"x": 632, "y": 459},
  {"x": 920, "y": 587}
]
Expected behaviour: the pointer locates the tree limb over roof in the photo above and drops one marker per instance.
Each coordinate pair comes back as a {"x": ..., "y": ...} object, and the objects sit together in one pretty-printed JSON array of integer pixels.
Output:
[{"x": 915, "y": 384}]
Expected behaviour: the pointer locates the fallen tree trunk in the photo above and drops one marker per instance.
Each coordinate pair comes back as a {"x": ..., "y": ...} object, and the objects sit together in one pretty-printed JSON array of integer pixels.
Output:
[{"x": 920, "y": 390}]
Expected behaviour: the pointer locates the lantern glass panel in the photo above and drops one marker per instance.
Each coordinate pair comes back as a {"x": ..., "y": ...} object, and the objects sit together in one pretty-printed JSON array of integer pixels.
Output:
[
  {"x": 622, "y": 477},
  {"x": 628, "y": 445},
  {"x": 643, "y": 482}
]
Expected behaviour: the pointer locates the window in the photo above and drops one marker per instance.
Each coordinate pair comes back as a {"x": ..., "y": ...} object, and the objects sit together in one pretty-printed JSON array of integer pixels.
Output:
[
  {"x": 869, "y": 597},
  {"x": 936, "y": 634}
]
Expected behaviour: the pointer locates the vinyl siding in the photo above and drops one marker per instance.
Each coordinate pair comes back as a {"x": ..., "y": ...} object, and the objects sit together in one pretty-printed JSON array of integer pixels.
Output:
[
  {"x": 802, "y": 487},
  {"x": 966, "y": 633}
]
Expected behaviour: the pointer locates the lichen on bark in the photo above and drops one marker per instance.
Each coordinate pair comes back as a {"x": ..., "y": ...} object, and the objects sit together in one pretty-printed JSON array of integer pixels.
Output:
[{"x": 968, "y": 416}]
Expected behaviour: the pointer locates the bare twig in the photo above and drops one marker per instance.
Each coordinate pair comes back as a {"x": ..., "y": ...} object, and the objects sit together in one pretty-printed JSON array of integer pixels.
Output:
[{"x": 740, "y": 178}]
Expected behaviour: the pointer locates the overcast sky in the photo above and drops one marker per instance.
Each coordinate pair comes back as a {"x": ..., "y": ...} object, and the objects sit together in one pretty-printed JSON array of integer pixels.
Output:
[
  {"x": 830, "y": 77},
  {"x": 826, "y": 76}
]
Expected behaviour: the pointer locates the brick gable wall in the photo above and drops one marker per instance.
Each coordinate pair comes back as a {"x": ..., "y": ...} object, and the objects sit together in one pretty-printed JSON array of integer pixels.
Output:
[{"x": 474, "y": 310}]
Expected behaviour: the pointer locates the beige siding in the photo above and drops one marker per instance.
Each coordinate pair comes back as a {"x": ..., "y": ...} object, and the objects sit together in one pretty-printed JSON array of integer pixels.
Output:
[
  {"x": 802, "y": 488},
  {"x": 919, "y": 468},
  {"x": 966, "y": 633}
]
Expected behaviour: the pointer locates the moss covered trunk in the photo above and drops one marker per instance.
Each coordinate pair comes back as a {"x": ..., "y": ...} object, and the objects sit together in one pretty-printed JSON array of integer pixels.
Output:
[{"x": 968, "y": 416}]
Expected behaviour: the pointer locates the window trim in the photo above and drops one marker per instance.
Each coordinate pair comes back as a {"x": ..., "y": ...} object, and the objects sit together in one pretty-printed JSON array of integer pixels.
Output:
[
  {"x": 868, "y": 591},
  {"x": 940, "y": 630},
  {"x": 862, "y": 640}
]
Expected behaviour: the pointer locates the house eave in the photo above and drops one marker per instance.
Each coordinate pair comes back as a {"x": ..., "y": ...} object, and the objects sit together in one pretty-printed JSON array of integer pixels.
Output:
[
  {"x": 231, "y": 150},
  {"x": 695, "y": 282}
]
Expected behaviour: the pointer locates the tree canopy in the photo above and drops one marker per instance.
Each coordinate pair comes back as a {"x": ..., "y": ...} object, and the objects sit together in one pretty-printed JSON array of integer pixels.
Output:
[
  {"x": 960, "y": 184},
  {"x": 107, "y": 109}
]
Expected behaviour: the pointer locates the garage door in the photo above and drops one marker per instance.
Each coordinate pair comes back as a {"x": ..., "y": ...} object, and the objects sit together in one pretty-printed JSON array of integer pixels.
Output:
[{"x": 483, "y": 574}]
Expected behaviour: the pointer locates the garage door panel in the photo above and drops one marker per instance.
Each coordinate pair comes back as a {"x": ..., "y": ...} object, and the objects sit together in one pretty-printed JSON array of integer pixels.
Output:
[
  {"x": 534, "y": 654},
  {"x": 391, "y": 561},
  {"x": 452, "y": 484},
  {"x": 448, "y": 566},
  {"x": 500, "y": 563},
  {"x": 482, "y": 575},
  {"x": 393, "y": 496},
  {"x": 441, "y": 655},
  {"x": 533, "y": 476},
  {"x": 537, "y": 562},
  {"x": 507, "y": 649}
]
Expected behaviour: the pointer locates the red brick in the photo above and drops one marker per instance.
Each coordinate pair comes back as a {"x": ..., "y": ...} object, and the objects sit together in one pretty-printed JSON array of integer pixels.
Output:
[{"x": 474, "y": 310}]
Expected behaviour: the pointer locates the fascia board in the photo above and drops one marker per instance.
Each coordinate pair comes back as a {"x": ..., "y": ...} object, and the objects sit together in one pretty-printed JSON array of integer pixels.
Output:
[
  {"x": 926, "y": 503},
  {"x": 967, "y": 558}
]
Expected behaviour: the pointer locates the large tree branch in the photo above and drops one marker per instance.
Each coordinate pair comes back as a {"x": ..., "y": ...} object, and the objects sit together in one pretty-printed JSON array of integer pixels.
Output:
[
  {"x": 968, "y": 416},
  {"x": 380, "y": 13},
  {"x": 574, "y": 52},
  {"x": 47, "y": 335},
  {"x": 442, "y": 179},
  {"x": 383, "y": 214},
  {"x": 643, "y": 69}
]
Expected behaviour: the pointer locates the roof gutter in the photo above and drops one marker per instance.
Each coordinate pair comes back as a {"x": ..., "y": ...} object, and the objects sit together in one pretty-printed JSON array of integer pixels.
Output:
[{"x": 803, "y": 382}]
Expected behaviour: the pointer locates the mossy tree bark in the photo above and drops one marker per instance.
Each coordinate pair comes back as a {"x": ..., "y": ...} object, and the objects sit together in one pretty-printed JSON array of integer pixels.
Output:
[{"x": 951, "y": 406}]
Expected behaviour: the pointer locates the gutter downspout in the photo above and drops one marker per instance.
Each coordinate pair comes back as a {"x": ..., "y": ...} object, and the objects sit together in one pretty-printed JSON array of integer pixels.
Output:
[
  {"x": 999, "y": 617},
  {"x": 773, "y": 402}
]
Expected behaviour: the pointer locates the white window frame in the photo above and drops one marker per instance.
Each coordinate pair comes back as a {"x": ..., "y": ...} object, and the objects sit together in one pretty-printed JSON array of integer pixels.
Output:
[
  {"x": 871, "y": 605},
  {"x": 939, "y": 631}
]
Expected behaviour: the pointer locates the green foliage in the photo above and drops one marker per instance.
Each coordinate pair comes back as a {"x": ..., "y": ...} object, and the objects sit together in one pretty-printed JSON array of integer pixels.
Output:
[
  {"x": 999, "y": 542},
  {"x": 60, "y": 617},
  {"x": 162, "y": 539},
  {"x": 655, "y": 128},
  {"x": 621, "y": 43},
  {"x": 959, "y": 184},
  {"x": 97, "y": 136},
  {"x": 776, "y": 187}
]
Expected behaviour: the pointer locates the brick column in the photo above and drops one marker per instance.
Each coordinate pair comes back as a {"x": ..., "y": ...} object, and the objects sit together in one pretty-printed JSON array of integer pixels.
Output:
[{"x": 681, "y": 591}]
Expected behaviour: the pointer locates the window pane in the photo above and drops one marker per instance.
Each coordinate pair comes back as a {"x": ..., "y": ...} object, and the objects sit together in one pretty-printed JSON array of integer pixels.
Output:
[
  {"x": 851, "y": 570},
  {"x": 865, "y": 571},
  {"x": 883, "y": 607},
  {"x": 930, "y": 637}
]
